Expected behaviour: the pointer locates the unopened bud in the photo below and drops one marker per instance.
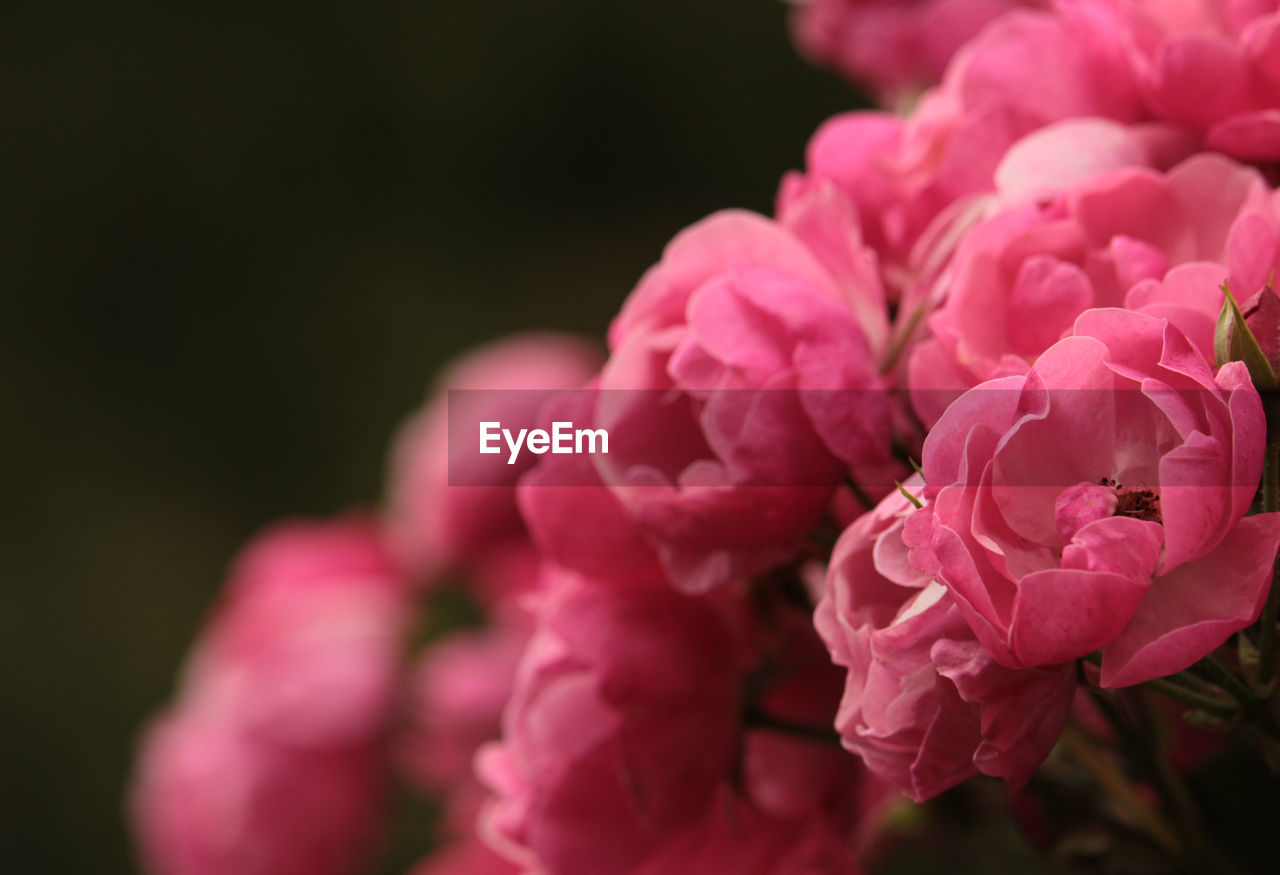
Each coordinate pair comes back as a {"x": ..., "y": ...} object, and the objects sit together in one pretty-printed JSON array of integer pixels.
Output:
[{"x": 1251, "y": 336}]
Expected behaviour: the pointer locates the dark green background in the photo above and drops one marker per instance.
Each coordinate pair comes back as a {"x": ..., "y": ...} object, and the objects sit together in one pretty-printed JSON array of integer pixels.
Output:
[{"x": 235, "y": 243}]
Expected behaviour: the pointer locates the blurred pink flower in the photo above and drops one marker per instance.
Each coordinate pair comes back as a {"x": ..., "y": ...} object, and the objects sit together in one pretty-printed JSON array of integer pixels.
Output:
[
  {"x": 915, "y": 182},
  {"x": 271, "y": 762},
  {"x": 456, "y": 694},
  {"x": 623, "y": 723},
  {"x": 434, "y": 525},
  {"x": 894, "y": 47},
  {"x": 574, "y": 519},
  {"x": 735, "y": 837},
  {"x": 466, "y": 856},
  {"x": 624, "y": 738},
  {"x": 1211, "y": 66},
  {"x": 739, "y": 391}
]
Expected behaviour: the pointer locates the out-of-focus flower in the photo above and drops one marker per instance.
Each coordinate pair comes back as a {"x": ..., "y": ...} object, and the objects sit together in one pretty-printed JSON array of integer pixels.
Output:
[
  {"x": 1083, "y": 505},
  {"x": 435, "y": 525},
  {"x": 1019, "y": 280},
  {"x": 213, "y": 799},
  {"x": 913, "y": 181},
  {"x": 1211, "y": 66},
  {"x": 925, "y": 706},
  {"x": 735, "y": 837},
  {"x": 739, "y": 391},
  {"x": 624, "y": 740},
  {"x": 894, "y": 47},
  {"x": 456, "y": 694},
  {"x": 467, "y": 856},
  {"x": 574, "y": 519},
  {"x": 271, "y": 762},
  {"x": 623, "y": 723}
]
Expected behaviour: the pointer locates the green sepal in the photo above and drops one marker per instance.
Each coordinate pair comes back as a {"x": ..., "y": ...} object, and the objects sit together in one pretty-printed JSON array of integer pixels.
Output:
[{"x": 1234, "y": 342}]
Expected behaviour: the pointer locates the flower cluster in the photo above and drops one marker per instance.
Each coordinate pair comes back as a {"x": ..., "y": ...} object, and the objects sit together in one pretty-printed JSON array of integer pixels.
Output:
[{"x": 734, "y": 640}]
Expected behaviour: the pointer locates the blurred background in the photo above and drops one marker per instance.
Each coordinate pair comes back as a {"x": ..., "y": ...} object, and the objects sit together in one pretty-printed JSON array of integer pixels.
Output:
[{"x": 235, "y": 244}]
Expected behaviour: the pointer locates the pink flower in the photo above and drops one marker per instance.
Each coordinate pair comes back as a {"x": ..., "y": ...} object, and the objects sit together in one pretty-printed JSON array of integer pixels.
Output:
[
  {"x": 271, "y": 761},
  {"x": 623, "y": 724},
  {"x": 1211, "y": 66},
  {"x": 624, "y": 743},
  {"x": 912, "y": 181},
  {"x": 467, "y": 856},
  {"x": 894, "y": 47},
  {"x": 1019, "y": 280},
  {"x": 925, "y": 706},
  {"x": 739, "y": 391},
  {"x": 734, "y": 837},
  {"x": 454, "y": 511},
  {"x": 573, "y": 518},
  {"x": 456, "y": 693},
  {"x": 1083, "y": 505},
  {"x": 210, "y": 798},
  {"x": 306, "y": 643}
]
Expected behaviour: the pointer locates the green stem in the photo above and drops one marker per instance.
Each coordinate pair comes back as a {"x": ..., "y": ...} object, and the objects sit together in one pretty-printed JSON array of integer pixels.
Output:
[
  {"x": 1270, "y": 503},
  {"x": 899, "y": 343},
  {"x": 1187, "y": 696},
  {"x": 1219, "y": 673},
  {"x": 1181, "y": 687},
  {"x": 1121, "y": 791},
  {"x": 1173, "y": 791},
  {"x": 859, "y": 493},
  {"x": 757, "y": 719}
]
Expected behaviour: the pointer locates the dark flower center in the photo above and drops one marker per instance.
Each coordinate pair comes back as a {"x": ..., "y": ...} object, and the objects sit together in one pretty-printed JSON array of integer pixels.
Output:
[{"x": 1141, "y": 504}]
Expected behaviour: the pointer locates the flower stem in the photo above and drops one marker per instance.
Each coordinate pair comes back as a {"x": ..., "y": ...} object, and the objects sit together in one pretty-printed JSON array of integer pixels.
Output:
[
  {"x": 1270, "y": 503},
  {"x": 1173, "y": 690},
  {"x": 1181, "y": 688},
  {"x": 899, "y": 344},
  {"x": 1169, "y": 785},
  {"x": 1121, "y": 791},
  {"x": 859, "y": 493},
  {"x": 756, "y": 719},
  {"x": 1221, "y": 675}
]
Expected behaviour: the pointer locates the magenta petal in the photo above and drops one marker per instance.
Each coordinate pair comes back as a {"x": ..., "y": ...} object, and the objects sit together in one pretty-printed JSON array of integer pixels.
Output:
[
  {"x": 1193, "y": 609},
  {"x": 1251, "y": 250},
  {"x": 1194, "y": 497},
  {"x": 1252, "y": 136},
  {"x": 1201, "y": 80},
  {"x": 1064, "y": 614}
]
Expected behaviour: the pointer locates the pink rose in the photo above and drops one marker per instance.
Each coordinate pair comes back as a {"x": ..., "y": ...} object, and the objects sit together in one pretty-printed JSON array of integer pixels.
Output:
[
  {"x": 456, "y": 694},
  {"x": 894, "y": 47},
  {"x": 622, "y": 727},
  {"x": 624, "y": 738},
  {"x": 210, "y": 798},
  {"x": 1083, "y": 505},
  {"x": 734, "y": 837},
  {"x": 797, "y": 779},
  {"x": 455, "y": 513},
  {"x": 913, "y": 181},
  {"x": 1211, "y": 66},
  {"x": 271, "y": 761},
  {"x": 305, "y": 644},
  {"x": 573, "y": 518},
  {"x": 925, "y": 706},
  {"x": 1019, "y": 280},
  {"x": 467, "y": 856},
  {"x": 739, "y": 392}
]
